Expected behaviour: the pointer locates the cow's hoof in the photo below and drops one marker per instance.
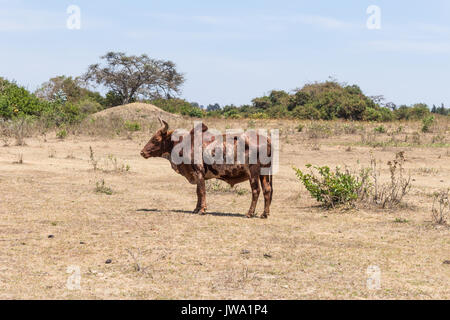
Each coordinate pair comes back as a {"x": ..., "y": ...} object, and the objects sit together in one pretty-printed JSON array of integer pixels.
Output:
[
  {"x": 250, "y": 215},
  {"x": 264, "y": 216},
  {"x": 201, "y": 211}
]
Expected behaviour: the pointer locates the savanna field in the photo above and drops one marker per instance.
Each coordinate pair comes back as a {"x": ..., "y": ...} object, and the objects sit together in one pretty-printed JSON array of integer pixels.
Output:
[{"x": 83, "y": 198}]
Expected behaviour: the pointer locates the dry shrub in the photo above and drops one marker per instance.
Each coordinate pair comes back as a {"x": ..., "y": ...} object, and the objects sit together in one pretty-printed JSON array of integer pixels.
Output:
[
  {"x": 18, "y": 129},
  {"x": 319, "y": 130},
  {"x": 92, "y": 160},
  {"x": 391, "y": 193},
  {"x": 5, "y": 132},
  {"x": 109, "y": 165},
  {"x": 137, "y": 261},
  {"x": 351, "y": 128},
  {"x": 112, "y": 164},
  {"x": 416, "y": 139},
  {"x": 101, "y": 187},
  {"x": 21, "y": 128},
  {"x": 441, "y": 207},
  {"x": 19, "y": 159},
  {"x": 315, "y": 146},
  {"x": 368, "y": 138},
  {"x": 51, "y": 153},
  {"x": 438, "y": 139}
]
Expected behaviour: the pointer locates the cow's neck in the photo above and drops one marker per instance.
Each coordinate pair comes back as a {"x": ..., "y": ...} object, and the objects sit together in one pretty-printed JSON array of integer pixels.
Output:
[{"x": 168, "y": 146}]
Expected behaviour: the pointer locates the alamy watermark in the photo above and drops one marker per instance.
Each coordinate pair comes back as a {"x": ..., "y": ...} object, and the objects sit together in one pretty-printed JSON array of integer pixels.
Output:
[
  {"x": 373, "y": 278},
  {"x": 374, "y": 20},
  {"x": 241, "y": 147},
  {"x": 74, "y": 280},
  {"x": 73, "y": 22}
]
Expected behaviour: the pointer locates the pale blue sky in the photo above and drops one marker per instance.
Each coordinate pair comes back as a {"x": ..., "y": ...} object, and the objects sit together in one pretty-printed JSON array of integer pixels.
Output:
[{"x": 233, "y": 51}]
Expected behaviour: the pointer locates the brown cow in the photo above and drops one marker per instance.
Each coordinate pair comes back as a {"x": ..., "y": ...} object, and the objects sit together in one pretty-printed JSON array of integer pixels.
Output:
[{"x": 164, "y": 141}]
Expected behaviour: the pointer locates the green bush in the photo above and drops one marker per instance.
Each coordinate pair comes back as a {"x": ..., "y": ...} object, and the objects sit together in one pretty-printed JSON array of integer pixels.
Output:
[
  {"x": 419, "y": 111},
  {"x": 277, "y": 111},
  {"x": 132, "y": 126},
  {"x": 72, "y": 88},
  {"x": 351, "y": 106},
  {"x": 178, "y": 106},
  {"x": 372, "y": 114},
  {"x": 196, "y": 112},
  {"x": 380, "y": 129},
  {"x": 16, "y": 101},
  {"x": 378, "y": 114},
  {"x": 112, "y": 99},
  {"x": 259, "y": 115},
  {"x": 59, "y": 114},
  {"x": 386, "y": 114},
  {"x": 416, "y": 112},
  {"x": 300, "y": 98},
  {"x": 427, "y": 122},
  {"x": 61, "y": 134},
  {"x": 307, "y": 112},
  {"x": 262, "y": 103},
  {"x": 328, "y": 187},
  {"x": 88, "y": 106},
  {"x": 232, "y": 114}
]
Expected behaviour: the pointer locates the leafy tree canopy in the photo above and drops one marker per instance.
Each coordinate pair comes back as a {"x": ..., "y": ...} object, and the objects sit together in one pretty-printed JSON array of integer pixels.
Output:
[{"x": 132, "y": 77}]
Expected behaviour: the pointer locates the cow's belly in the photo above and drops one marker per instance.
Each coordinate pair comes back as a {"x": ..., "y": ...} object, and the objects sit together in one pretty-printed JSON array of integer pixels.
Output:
[{"x": 231, "y": 174}]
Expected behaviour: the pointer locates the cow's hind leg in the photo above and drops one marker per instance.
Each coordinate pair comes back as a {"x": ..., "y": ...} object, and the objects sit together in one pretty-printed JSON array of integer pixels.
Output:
[
  {"x": 266, "y": 184},
  {"x": 254, "y": 184},
  {"x": 201, "y": 196}
]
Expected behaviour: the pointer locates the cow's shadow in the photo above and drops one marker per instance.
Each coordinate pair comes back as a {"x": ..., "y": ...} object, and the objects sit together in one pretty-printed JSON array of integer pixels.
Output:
[{"x": 219, "y": 214}]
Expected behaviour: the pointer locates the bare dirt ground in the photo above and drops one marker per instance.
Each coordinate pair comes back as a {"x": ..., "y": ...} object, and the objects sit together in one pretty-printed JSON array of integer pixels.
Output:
[{"x": 52, "y": 218}]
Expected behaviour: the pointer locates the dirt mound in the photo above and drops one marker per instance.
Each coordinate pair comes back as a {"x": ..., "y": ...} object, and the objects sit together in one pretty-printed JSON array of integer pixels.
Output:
[{"x": 136, "y": 111}]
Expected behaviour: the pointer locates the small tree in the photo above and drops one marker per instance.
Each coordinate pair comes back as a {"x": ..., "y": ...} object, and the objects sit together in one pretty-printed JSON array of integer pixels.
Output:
[
  {"x": 129, "y": 77},
  {"x": 72, "y": 88}
]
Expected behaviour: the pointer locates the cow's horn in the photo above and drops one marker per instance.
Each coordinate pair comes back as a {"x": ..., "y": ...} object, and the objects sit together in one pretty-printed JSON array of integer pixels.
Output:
[{"x": 164, "y": 124}]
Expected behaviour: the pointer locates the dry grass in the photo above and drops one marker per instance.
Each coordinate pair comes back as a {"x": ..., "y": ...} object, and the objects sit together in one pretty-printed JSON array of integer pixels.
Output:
[{"x": 157, "y": 249}]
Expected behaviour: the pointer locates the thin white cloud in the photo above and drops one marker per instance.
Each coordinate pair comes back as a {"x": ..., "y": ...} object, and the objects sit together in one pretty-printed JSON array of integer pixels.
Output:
[
  {"x": 26, "y": 20},
  {"x": 209, "y": 20},
  {"x": 191, "y": 35},
  {"x": 411, "y": 46},
  {"x": 312, "y": 20},
  {"x": 434, "y": 28},
  {"x": 31, "y": 20}
]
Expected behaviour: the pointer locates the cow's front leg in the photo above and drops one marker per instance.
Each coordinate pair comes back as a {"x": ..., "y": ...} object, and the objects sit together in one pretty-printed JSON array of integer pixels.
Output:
[
  {"x": 254, "y": 184},
  {"x": 201, "y": 196}
]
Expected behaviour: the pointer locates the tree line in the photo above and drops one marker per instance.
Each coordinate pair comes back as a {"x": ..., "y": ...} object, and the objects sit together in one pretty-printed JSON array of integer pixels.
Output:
[{"x": 127, "y": 79}]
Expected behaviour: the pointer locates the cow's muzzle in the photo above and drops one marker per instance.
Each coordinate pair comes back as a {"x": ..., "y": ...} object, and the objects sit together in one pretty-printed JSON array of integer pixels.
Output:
[{"x": 145, "y": 155}]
